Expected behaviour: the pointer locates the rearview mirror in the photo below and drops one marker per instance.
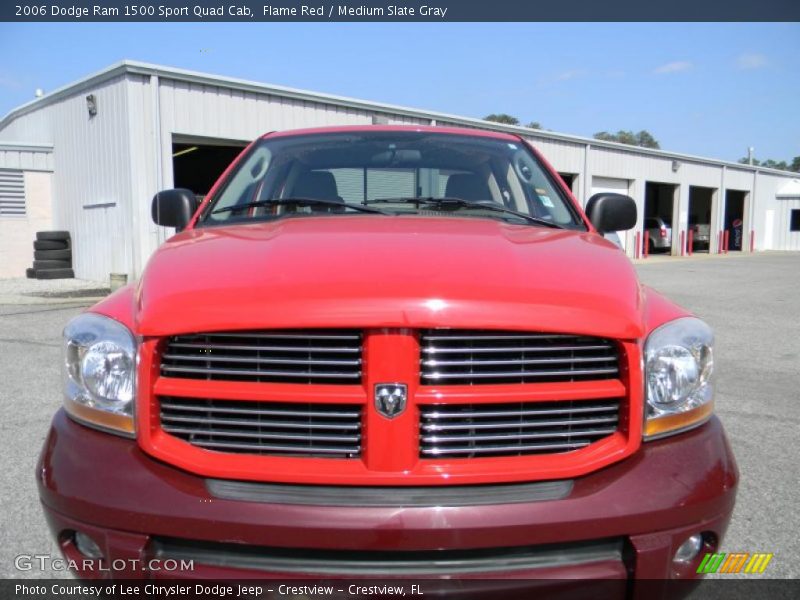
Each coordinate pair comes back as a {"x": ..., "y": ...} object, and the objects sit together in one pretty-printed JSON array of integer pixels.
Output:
[
  {"x": 396, "y": 158},
  {"x": 174, "y": 208},
  {"x": 611, "y": 212}
]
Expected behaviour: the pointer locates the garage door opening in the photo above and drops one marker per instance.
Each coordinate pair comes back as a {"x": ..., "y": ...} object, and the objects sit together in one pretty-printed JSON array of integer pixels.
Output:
[
  {"x": 659, "y": 213},
  {"x": 733, "y": 222},
  {"x": 197, "y": 166},
  {"x": 615, "y": 186},
  {"x": 569, "y": 179},
  {"x": 701, "y": 200}
]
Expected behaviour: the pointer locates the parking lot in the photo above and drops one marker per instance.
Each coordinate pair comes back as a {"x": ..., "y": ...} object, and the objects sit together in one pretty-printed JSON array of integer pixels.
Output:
[{"x": 750, "y": 301}]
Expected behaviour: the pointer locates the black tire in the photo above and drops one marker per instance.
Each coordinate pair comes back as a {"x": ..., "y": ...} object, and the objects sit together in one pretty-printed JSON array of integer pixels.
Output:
[
  {"x": 53, "y": 235},
  {"x": 30, "y": 273},
  {"x": 52, "y": 264},
  {"x": 51, "y": 245},
  {"x": 52, "y": 254},
  {"x": 55, "y": 274}
]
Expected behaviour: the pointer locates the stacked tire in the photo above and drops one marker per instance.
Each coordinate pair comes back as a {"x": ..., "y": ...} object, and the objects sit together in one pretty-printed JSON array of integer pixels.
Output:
[{"x": 52, "y": 256}]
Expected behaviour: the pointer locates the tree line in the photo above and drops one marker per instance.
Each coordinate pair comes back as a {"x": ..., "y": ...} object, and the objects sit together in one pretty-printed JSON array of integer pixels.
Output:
[
  {"x": 783, "y": 165},
  {"x": 643, "y": 139}
]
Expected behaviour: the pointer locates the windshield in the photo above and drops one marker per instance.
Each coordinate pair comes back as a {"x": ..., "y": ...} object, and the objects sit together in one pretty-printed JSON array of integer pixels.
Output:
[{"x": 389, "y": 173}]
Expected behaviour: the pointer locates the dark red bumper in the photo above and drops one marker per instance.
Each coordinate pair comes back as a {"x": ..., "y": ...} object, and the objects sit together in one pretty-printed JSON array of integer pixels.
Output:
[{"x": 137, "y": 508}]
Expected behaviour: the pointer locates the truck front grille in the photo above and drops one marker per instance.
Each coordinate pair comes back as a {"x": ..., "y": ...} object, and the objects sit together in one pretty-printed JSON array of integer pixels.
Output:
[
  {"x": 517, "y": 405},
  {"x": 462, "y": 357},
  {"x": 285, "y": 356},
  {"x": 265, "y": 428},
  {"x": 516, "y": 429}
]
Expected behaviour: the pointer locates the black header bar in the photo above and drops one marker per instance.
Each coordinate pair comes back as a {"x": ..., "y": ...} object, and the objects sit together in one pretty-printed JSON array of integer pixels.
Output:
[{"x": 397, "y": 11}]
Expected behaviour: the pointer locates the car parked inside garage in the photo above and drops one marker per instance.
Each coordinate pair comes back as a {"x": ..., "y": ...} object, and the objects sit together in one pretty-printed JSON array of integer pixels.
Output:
[
  {"x": 658, "y": 234},
  {"x": 701, "y": 235}
]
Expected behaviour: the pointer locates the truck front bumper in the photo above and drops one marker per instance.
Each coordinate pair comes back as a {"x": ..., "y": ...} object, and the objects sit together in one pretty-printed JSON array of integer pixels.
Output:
[{"x": 624, "y": 522}]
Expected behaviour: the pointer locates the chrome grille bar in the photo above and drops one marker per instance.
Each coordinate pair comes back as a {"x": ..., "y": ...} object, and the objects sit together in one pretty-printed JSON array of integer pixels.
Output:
[
  {"x": 284, "y": 335},
  {"x": 514, "y": 429},
  {"x": 457, "y": 357},
  {"x": 505, "y": 349},
  {"x": 265, "y": 428},
  {"x": 570, "y": 373},
  {"x": 473, "y": 414},
  {"x": 283, "y": 356},
  {"x": 166, "y": 419},
  {"x": 521, "y": 361},
  {"x": 256, "y": 374},
  {"x": 267, "y": 361},
  {"x": 512, "y": 449},
  {"x": 275, "y": 449},
  {"x": 511, "y": 436},
  {"x": 179, "y": 406},
  {"x": 519, "y": 424}
]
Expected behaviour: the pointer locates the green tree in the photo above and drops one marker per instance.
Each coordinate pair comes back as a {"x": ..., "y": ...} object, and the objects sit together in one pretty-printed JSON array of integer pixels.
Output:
[
  {"x": 775, "y": 164},
  {"x": 646, "y": 140},
  {"x": 502, "y": 118},
  {"x": 643, "y": 139},
  {"x": 534, "y": 125}
]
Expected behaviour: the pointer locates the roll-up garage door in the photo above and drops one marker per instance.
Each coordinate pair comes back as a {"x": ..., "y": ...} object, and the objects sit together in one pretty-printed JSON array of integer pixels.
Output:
[{"x": 615, "y": 186}]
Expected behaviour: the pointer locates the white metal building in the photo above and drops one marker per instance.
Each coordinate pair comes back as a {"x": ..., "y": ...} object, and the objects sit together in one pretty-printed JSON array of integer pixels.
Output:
[{"x": 88, "y": 158}]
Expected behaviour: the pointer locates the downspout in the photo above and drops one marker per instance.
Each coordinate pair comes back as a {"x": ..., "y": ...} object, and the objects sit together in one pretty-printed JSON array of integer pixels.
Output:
[
  {"x": 722, "y": 209},
  {"x": 156, "y": 103},
  {"x": 751, "y": 223},
  {"x": 585, "y": 186},
  {"x": 159, "y": 152}
]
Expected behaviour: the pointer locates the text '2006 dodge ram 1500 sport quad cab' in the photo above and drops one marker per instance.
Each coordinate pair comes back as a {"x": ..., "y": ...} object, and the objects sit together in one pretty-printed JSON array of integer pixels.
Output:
[{"x": 387, "y": 351}]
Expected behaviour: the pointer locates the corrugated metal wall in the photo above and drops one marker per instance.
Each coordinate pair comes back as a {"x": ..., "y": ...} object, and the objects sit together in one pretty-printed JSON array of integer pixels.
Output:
[
  {"x": 785, "y": 238},
  {"x": 92, "y": 175}
]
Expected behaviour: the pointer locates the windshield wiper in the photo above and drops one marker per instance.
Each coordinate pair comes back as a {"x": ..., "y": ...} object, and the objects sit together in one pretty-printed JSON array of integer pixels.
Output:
[
  {"x": 299, "y": 202},
  {"x": 453, "y": 203}
]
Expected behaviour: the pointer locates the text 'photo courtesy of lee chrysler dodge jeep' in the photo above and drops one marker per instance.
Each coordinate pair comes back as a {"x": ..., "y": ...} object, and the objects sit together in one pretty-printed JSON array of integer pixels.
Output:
[{"x": 388, "y": 351}]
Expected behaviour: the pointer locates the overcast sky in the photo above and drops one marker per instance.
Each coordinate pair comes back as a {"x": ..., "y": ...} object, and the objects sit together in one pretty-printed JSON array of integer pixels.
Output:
[{"x": 705, "y": 89}]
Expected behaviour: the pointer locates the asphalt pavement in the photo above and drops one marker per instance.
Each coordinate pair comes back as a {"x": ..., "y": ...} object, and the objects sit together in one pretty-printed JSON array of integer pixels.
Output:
[
  {"x": 753, "y": 305},
  {"x": 750, "y": 301}
]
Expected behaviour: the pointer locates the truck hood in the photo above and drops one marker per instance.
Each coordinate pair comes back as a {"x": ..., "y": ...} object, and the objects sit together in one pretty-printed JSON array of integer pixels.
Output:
[{"x": 378, "y": 271}]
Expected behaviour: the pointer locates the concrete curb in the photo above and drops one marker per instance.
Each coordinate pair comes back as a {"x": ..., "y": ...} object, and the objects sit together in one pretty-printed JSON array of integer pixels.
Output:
[
  {"x": 666, "y": 258},
  {"x": 22, "y": 300}
]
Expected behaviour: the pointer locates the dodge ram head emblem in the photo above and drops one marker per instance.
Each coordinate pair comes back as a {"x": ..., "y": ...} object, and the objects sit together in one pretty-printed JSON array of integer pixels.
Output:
[{"x": 390, "y": 398}]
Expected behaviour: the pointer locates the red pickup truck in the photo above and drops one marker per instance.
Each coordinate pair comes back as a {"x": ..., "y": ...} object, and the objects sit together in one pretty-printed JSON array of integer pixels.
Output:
[{"x": 389, "y": 351}]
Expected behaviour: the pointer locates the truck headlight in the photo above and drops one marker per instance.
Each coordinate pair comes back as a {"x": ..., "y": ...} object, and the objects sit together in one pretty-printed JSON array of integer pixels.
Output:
[
  {"x": 100, "y": 373},
  {"x": 678, "y": 367}
]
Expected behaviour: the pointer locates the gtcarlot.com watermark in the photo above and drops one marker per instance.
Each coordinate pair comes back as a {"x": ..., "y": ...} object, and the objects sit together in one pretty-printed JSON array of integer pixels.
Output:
[{"x": 45, "y": 562}]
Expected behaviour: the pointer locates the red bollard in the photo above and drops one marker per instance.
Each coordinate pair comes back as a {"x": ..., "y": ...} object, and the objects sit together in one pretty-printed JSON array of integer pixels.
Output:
[
  {"x": 637, "y": 247},
  {"x": 690, "y": 245},
  {"x": 752, "y": 240},
  {"x": 683, "y": 244},
  {"x": 725, "y": 241},
  {"x": 646, "y": 248}
]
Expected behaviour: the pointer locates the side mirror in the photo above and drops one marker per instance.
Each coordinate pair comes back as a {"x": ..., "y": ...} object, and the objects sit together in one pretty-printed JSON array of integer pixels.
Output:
[
  {"x": 611, "y": 212},
  {"x": 174, "y": 208}
]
